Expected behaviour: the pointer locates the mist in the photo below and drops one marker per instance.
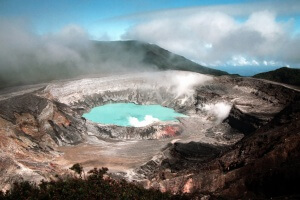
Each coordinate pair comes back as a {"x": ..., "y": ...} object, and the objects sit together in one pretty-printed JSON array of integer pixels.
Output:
[
  {"x": 218, "y": 111},
  {"x": 26, "y": 57},
  {"x": 180, "y": 83}
]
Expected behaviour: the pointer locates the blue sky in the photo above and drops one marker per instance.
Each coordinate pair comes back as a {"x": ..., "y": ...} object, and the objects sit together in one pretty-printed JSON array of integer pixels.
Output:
[
  {"x": 233, "y": 33},
  {"x": 50, "y": 16}
]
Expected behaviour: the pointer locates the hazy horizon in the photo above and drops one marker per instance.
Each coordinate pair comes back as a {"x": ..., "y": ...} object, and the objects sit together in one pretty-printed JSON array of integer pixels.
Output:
[{"x": 238, "y": 36}]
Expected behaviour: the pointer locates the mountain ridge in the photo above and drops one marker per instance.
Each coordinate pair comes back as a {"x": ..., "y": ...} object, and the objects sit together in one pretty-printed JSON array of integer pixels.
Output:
[
  {"x": 285, "y": 75},
  {"x": 166, "y": 58},
  {"x": 101, "y": 57}
]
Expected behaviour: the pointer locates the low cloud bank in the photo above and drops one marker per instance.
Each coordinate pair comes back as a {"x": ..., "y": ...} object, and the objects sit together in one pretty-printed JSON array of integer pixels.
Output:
[
  {"x": 148, "y": 119},
  {"x": 218, "y": 38},
  {"x": 219, "y": 111},
  {"x": 26, "y": 57}
]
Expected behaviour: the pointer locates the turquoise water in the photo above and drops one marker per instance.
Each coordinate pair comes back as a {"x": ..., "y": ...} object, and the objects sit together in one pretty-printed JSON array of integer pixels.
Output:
[{"x": 130, "y": 114}]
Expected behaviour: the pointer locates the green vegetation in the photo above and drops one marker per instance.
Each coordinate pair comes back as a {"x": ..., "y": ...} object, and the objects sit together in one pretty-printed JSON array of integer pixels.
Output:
[
  {"x": 283, "y": 75},
  {"x": 95, "y": 186}
]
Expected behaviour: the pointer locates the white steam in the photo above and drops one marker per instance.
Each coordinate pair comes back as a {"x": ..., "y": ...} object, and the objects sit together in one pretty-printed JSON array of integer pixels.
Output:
[
  {"x": 180, "y": 83},
  {"x": 186, "y": 82},
  {"x": 148, "y": 119},
  {"x": 219, "y": 111}
]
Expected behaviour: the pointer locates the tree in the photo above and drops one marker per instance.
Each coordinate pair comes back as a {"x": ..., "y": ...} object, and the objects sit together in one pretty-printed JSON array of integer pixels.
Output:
[{"x": 77, "y": 168}]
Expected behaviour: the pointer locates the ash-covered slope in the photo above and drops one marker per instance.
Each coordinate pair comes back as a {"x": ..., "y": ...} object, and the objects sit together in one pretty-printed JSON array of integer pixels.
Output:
[
  {"x": 95, "y": 57},
  {"x": 283, "y": 75},
  {"x": 152, "y": 55}
]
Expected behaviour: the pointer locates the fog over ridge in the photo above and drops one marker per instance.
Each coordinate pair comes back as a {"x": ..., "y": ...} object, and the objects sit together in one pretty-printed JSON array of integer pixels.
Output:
[{"x": 26, "y": 57}]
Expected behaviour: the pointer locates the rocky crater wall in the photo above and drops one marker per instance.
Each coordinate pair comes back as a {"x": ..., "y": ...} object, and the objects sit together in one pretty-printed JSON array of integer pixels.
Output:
[{"x": 35, "y": 123}]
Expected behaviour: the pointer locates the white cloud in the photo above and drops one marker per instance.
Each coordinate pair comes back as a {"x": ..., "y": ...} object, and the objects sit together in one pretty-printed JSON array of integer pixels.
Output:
[
  {"x": 238, "y": 60},
  {"x": 285, "y": 8},
  {"x": 242, "y": 61},
  {"x": 217, "y": 38},
  {"x": 264, "y": 22},
  {"x": 254, "y": 62},
  {"x": 208, "y": 46}
]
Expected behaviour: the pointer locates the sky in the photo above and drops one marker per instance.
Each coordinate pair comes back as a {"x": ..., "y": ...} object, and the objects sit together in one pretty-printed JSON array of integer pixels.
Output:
[{"x": 239, "y": 36}]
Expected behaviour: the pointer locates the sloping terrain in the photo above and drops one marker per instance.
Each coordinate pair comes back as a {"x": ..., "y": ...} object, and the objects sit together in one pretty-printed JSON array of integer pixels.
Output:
[
  {"x": 285, "y": 75},
  {"x": 151, "y": 55},
  {"x": 264, "y": 164},
  {"x": 43, "y": 134},
  {"x": 100, "y": 58}
]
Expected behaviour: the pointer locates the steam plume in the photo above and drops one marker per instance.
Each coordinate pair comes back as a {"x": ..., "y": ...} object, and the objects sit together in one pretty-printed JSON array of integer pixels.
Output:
[{"x": 218, "y": 110}]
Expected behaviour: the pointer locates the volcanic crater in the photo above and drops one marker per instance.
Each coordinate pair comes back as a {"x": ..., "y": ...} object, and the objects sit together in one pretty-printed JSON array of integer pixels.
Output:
[{"x": 211, "y": 150}]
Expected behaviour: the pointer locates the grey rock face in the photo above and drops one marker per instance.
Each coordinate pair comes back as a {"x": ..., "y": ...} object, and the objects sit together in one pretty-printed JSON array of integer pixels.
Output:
[{"x": 27, "y": 103}]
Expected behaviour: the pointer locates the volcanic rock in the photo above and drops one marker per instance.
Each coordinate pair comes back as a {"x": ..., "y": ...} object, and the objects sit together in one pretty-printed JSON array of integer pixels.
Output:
[{"x": 43, "y": 132}]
